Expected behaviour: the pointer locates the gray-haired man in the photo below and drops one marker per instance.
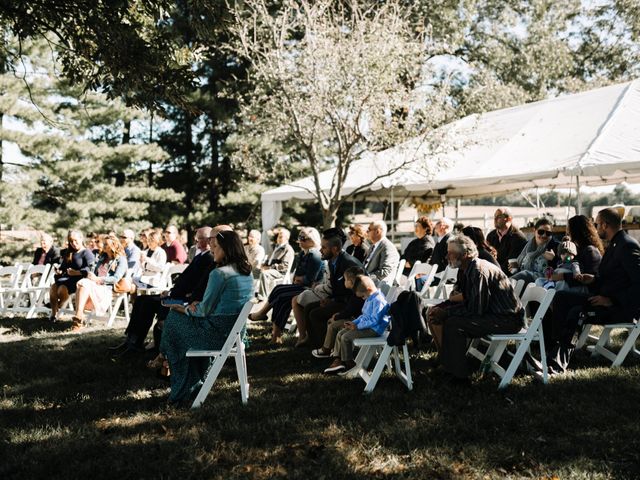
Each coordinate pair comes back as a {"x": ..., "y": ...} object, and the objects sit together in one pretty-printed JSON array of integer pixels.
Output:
[{"x": 489, "y": 306}]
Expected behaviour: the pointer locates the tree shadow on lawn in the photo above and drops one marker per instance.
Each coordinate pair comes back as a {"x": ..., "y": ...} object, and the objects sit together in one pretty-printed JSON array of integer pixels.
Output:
[{"x": 70, "y": 406}]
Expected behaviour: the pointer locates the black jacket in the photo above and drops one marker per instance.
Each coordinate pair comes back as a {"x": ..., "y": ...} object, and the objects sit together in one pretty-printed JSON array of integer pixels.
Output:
[
  {"x": 192, "y": 283},
  {"x": 339, "y": 292},
  {"x": 509, "y": 247},
  {"x": 439, "y": 255},
  {"x": 406, "y": 320},
  {"x": 52, "y": 256},
  {"x": 418, "y": 249},
  {"x": 619, "y": 276}
]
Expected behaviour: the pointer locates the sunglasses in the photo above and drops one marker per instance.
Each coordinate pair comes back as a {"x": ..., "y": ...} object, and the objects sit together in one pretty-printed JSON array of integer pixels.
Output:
[
  {"x": 302, "y": 239},
  {"x": 544, "y": 233}
]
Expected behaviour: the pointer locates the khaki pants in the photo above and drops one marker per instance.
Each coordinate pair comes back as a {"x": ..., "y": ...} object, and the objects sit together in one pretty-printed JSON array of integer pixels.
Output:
[
  {"x": 343, "y": 346},
  {"x": 332, "y": 332}
]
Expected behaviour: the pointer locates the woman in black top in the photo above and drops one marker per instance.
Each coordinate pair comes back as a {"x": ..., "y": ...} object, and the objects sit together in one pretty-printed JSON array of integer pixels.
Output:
[
  {"x": 583, "y": 233},
  {"x": 485, "y": 251},
  {"x": 421, "y": 248},
  {"x": 76, "y": 263},
  {"x": 358, "y": 247}
]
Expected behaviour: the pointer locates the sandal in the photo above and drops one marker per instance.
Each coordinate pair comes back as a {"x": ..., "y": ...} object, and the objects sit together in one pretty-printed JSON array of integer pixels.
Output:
[
  {"x": 156, "y": 363},
  {"x": 255, "y": 318},
  {"x": 164, "y": 370},
  {"x": 77, "y": 323}
]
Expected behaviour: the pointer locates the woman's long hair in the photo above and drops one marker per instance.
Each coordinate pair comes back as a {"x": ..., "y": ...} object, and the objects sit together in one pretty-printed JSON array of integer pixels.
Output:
[
  {"x": 115, "y": 248},
  {"x": 583, "y": 233},
  {"x": 475, "y": 234},
  {"x": 234, "y": 253}
]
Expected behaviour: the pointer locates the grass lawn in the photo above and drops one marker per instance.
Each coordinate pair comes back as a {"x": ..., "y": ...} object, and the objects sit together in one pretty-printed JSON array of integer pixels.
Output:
[{"x": 68, "y": 411}]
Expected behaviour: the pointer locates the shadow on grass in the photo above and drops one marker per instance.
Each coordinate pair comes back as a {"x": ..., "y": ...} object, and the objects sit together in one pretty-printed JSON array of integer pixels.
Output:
[{"x": 80, "y": 414}]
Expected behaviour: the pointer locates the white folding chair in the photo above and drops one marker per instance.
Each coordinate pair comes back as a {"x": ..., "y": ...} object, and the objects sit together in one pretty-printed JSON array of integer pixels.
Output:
[
  {"x": 368, "y": 348},
  {"x": 532, "y": 332},
  {"x": 29, "y": 297},
  {"x": 422, "y": 269},
  {"x": 441, "y": 291},
  {"x": 233, "y": 346},
  {"x": 169, "y": 271},
  {"x": 602, "y": 341},
  {"x": 398, "y": 276},
  {"x": 9, "y": 282},
  {"x": 518, "y": 286}
]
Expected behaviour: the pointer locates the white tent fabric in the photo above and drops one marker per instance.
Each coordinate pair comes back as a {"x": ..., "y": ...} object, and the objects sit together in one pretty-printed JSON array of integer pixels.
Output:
[{"x": 593, "y": 135}]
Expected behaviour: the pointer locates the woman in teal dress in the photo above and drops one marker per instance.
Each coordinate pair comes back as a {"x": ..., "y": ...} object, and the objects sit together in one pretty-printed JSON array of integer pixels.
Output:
[{"x": 206, "y": 325}]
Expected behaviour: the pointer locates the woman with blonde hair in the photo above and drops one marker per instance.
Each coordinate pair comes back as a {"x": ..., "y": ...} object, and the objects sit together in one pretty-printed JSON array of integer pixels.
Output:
[
  {"x": 358, "y": 247},
  {"x": 309, "y": 271},
  {"x": 96, "y": 289}
]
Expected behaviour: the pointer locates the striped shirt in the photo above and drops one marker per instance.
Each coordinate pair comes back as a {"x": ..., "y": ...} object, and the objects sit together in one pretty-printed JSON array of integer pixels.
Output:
[{"x": 486, "y": 290}]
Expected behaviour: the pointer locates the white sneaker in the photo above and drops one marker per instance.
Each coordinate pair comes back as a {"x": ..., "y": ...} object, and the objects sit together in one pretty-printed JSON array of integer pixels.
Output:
[{"x": 351, "y": 373}]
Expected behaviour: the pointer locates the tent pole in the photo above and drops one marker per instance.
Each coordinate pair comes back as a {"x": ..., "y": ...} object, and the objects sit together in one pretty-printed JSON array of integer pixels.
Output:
[
  {"x": 353, "y": 207},
  {"x": 578, "y": 196},
  {"x": 457, "y": 209},
  {"x": 393, "y": 219}
]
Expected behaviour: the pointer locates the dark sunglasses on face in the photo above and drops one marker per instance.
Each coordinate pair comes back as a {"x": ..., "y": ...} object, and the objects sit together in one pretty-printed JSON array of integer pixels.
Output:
[{"x": 542, "y": 232}]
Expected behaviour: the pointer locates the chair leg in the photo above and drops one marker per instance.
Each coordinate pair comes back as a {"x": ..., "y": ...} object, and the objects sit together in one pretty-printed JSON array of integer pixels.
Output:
[
  {"x": 627, "y": 346},
  {"x": 210, "y": 379},
  {"x": 515, "y": 363},
  {"x": 241, "y": 368},
  {"x": 378, "y": 369},
  {"x": 543, "y": 358}
]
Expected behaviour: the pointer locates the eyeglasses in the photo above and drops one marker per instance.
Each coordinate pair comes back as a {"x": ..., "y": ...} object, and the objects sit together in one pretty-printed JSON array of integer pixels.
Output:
[
  {"x": 302, "y": 239},
  {"x": 544, "y": 233}
]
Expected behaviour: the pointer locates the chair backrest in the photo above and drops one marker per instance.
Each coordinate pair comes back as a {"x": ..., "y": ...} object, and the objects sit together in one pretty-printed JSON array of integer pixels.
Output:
[
  {"x": 384, "y": 288},
  {"x": 449, "y": 273},
  {"x": 425, "y": 270},
  {"x": 398, "y": 275},
  {"x": 518, "y": 286},
  {"x": 173, "y": 270},
  {"x": 392, "y": 295},
  {"x": 236, "y": 330},
  {"x": 10, "y": 276},
  {"x": 538, "y": 295},
  {"x": 40, "y": 271}
]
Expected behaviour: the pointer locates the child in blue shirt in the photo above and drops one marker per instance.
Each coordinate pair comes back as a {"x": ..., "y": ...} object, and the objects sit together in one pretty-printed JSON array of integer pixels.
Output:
[{"x": 372, "y": 322}]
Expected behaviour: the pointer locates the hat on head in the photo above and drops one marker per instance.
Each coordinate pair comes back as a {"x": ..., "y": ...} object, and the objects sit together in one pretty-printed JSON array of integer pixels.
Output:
[{"x": 567, "y": 247}]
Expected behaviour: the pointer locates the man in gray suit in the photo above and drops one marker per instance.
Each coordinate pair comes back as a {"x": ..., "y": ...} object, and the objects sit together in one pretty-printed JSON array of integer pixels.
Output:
[
  {"x": 383, "y": 258},
  {"x": 277, "y": 265}
]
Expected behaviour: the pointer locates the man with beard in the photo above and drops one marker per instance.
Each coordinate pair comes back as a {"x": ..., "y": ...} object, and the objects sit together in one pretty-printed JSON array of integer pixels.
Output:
[
  {"x": 614, "y": 294},
  {"x": 489, "y": 306}
]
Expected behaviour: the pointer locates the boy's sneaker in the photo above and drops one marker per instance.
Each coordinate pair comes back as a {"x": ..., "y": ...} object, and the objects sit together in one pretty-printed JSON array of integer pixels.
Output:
[
  {"x": 320, "y": 353},
  {"x": 335, "y": 367}
]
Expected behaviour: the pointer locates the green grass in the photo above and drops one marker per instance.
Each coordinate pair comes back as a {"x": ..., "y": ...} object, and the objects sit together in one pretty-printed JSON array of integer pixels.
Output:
[{"x": 69, "y": 411}]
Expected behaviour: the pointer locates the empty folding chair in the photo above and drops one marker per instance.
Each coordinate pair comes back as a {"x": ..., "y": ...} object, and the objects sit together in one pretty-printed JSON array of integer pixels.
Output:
[{"x": 602, "y": 341}]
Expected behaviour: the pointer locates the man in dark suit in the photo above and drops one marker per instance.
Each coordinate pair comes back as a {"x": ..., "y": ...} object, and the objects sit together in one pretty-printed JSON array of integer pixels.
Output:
[
  {"x": 317, "y": 314},
  {"x": 47, "y": 253},
  {"x": 189, "y": 286},
  {"x": 506, "y": 239},
  {"x": 442, "y": 229},
  {"x": 614, "y": 294}
]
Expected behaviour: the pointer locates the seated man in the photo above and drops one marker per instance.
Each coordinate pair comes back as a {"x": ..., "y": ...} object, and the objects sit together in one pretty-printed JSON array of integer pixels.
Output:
[
  {"x": 614, "y": 295},
  {"x": 277, "y": 265},
  {"x": 189, "y": 286},
  {"x": 372, "y": 322},
  {"x": 489, "y": 306},
  {"x": 255, "y": 251},
  {"x": 383, "y": 257},
  {"x": 131, "y": 250},
  {"x": 506, "y": 238},
  {"x": 47, "y": 253},
  {"x": 312, "y": 317}
]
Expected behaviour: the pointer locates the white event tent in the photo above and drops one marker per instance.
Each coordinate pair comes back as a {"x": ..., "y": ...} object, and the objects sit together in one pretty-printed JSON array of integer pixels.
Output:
[{"x": 589, "y": 138}]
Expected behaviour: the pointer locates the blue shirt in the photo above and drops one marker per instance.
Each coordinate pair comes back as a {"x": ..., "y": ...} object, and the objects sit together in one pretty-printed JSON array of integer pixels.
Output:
[
  {"x": 310, "y": 266},
  {"x": 227, "y": 292},
  {"x": 133, "y": 257},
  {"x": 375, "y": 314}
]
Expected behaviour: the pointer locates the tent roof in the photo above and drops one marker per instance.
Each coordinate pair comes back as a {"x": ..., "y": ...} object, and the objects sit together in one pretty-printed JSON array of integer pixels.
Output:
[{"x": 593, "y": 134}]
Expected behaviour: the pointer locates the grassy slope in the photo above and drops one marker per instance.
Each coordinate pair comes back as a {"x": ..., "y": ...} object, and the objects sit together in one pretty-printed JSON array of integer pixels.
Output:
[{"x": 68, "y": 411}]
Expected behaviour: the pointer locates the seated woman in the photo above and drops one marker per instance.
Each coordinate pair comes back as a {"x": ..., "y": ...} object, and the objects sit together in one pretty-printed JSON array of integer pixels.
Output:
[
  {"x": 96, "y": 290},
  {"x": 485, "y": 251},
  {"x": 76, "y": 263},
  {"x": 310, "y": 270},
  {"x": 537, "y": 254},
  {"x": 359, "y": 247},
  {"x": 152, "y": 262},
  {"x": 206, "y": 325},
  {"x": 420, "y": 248}
]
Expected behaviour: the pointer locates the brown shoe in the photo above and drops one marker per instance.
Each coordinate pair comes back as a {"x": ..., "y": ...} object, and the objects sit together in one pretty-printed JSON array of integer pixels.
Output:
[{"x": 77, "y": 323}]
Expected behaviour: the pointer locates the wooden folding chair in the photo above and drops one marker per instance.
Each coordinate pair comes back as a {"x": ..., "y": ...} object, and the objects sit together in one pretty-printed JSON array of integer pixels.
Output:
[
  {"x": 532, "y": 332},
  {"x": 368, "y": 349},
  {"x": 233, "y": 346},
  {"x": 602, "y": 341}
]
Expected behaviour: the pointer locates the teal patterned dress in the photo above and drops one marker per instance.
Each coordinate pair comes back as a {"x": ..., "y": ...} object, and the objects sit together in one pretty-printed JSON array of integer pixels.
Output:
[{"x": 205, "y": 329}]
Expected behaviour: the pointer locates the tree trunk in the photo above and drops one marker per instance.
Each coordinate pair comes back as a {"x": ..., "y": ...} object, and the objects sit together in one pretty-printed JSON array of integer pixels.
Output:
[
  {"x": 329, "y": 216},
  {"x": 126, "y": 134},
  {"x": 214, "y": 192},
  {"x": 150, "y": 171},
  {"x": 189, "y": 162}
]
